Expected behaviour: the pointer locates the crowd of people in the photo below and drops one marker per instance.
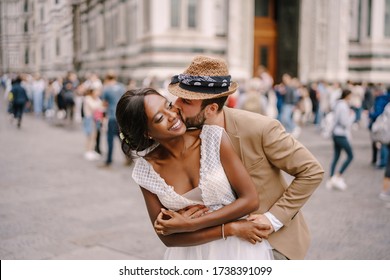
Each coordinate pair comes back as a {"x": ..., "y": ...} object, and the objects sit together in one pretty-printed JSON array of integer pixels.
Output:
[
  {"x": 334, "y": 108},
  {"x": 92, "y": 101},
  {"x": 145, "y": 120},
  {"x": 68, "y": 100}
]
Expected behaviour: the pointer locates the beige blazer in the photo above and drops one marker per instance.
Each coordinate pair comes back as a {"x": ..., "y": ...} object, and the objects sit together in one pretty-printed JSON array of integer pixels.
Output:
[{"x": 266, "y": 150}]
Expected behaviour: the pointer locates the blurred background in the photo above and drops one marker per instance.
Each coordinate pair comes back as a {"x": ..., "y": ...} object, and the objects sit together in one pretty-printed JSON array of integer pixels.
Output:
[
  {"x": 59, "y": 199},
  {"x": 310, "y": 39}
]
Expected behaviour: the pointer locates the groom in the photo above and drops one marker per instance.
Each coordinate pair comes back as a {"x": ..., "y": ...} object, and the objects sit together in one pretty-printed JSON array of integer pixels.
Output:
[{"x": 263, "y": 145}]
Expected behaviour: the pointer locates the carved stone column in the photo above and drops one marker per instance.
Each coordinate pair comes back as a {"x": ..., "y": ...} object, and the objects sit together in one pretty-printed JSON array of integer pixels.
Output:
[
  {"x": 240, "y": 38},
  {"x": 324, "y": 40}
]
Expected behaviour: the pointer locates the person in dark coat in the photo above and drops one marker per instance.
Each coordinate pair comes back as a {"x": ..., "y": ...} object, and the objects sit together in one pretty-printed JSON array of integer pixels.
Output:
[{"x": 19, "y": 99}]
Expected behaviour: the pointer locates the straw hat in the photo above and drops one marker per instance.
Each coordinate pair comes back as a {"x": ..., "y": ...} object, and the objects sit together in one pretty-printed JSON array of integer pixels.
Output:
[{"x": 205, "y": 78}]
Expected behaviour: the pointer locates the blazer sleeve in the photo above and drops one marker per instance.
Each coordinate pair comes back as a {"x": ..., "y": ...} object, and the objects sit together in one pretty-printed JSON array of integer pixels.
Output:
[{"x": 289, "y": 155}]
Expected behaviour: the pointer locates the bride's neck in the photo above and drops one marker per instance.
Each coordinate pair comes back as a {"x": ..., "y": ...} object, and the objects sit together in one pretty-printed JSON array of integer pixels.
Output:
[{"x": 176, "y": 147}]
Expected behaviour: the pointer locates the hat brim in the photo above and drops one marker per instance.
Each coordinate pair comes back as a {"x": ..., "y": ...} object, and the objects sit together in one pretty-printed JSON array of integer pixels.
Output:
[{"x": 176, "y": 90}]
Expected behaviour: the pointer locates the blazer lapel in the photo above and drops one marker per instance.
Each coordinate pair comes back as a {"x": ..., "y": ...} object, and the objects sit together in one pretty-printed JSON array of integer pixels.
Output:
[{"x": 231, "y": 130}]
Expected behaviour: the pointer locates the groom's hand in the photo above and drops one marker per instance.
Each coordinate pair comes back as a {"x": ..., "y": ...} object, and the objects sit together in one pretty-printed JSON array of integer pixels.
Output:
[{"x": 263, "y": 220}]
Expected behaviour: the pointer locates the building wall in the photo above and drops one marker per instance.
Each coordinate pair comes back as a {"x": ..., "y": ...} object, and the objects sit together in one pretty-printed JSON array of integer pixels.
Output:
[
  {"x": 345, "y": 40},
  {"x": 239, "y": 41},
  {"x": 142, "y": 41},
  {"x": 338, "y": 39},
  {"x": 323, "y": 51},
  {"x": 54, "y": 33},
  {"x": 369, "y": 49},
  {"x": 13, "y": 38}
]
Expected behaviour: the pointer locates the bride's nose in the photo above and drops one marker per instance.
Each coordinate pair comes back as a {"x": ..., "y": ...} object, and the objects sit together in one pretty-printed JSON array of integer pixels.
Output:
[{"x": 172, "y": 113}]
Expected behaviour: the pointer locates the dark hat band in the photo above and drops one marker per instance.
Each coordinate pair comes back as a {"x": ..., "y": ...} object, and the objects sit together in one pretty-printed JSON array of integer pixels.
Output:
[{"x": 202, "y": 84}]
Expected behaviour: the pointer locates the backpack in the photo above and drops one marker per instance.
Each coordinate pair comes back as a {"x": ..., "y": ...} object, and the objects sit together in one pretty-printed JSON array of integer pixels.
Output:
[
  {"x": 327, "y": 125},
  {"x": 380, "y": 130}
]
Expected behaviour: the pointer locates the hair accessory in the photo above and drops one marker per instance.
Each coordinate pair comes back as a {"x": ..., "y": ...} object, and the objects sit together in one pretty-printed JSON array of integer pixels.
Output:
[{"x": 123, "y": 138}]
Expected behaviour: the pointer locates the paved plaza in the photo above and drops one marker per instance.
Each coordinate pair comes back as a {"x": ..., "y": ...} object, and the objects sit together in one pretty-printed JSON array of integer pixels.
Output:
[{"x": 56, "y": 205}]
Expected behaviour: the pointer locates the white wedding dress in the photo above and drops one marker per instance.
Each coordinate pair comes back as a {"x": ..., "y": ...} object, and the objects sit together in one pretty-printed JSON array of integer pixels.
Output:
[{"x": 214, "y": 191}]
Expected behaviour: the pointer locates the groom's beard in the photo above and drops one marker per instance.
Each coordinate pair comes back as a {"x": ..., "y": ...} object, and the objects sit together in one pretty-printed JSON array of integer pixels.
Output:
[{"x": 196, "y": 121}]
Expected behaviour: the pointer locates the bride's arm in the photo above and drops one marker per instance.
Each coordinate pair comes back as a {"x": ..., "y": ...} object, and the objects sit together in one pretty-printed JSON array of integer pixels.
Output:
[
  {"x": 247, "y": 198},
  {"x": 244, "y": 229}
]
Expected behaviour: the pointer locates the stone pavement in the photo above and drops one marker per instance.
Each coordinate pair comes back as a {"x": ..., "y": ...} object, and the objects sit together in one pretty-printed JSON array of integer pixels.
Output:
[{"x": 56, "y": 205}]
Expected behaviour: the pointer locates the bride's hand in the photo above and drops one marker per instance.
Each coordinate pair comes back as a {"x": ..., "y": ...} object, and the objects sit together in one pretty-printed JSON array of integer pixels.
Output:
[
  {"x": 194, "y": 211},
  {"x": 169, "y": 222},
  {"x": 247, "y": 230}
]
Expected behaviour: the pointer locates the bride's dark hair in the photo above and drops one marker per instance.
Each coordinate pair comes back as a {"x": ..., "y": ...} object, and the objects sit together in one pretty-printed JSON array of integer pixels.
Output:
[{"x": 133, "y": 122}]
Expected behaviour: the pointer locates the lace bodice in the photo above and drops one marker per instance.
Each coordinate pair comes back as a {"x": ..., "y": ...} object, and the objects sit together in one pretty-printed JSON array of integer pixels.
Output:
[{"x": 213, "y": 183}]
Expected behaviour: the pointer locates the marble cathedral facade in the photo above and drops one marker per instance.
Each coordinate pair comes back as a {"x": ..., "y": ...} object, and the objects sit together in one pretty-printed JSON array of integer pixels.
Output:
[{"x": 335, "y": 40}]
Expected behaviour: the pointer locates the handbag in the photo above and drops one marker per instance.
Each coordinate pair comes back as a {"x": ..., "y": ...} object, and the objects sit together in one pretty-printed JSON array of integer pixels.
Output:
[
  {"x": 380, "y": 130},
  {"x": 98, "y": 115}
]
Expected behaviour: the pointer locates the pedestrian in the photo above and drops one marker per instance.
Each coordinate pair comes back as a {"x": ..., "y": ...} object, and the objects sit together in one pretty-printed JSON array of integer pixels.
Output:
[
  {"x": 265, "y": 148},
  {"x": 38, "y": 91},
  {"x": 92, "y": 113},
  {"x": 112, "y": 92},
  {"x": 291, "y": 96},
  {"x": 19, "y": 100},
  {"x": 182, "y": 168},
  {"x": 93, "y": 81},
  {"x": 252, "y": 99},
  {"x": 385, "y": 193},
  {"x": 52, "y": 90},
  {"x": 76, "y": 100},
  {"x": 380, "y": 132},
  {"x": 381, "y": 99},
  {"x": 266, "y": 79},
  {"x": 67, "y": 97},
  {"x": 314, "y": 95},
  {"x": 344, "y": 117}
]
